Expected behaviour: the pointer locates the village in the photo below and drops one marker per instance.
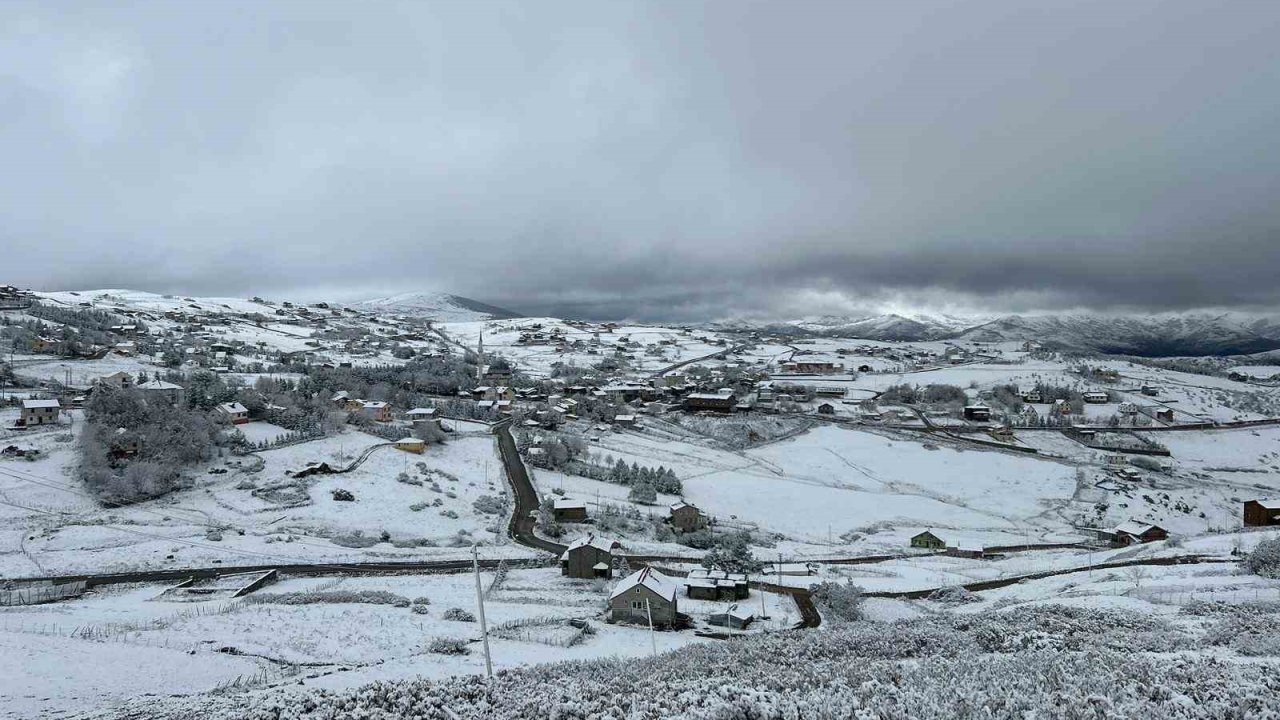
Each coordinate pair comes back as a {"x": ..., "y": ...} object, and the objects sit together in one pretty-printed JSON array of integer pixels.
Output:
[{"x": 213, "y": 482}]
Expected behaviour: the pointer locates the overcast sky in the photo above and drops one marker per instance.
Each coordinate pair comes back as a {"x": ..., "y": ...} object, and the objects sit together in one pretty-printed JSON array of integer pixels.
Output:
[{"x": 660, "y": 159}]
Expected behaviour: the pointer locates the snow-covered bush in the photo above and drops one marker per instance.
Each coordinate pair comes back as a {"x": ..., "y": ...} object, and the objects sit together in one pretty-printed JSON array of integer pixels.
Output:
[
  {"x": 956, "y": 595},
  {"x": 458, "y": 614},
  {"x": 837, "y": 601},
  {"x": 1264, "y": 560},
  {"x": 449, "y": 646}
]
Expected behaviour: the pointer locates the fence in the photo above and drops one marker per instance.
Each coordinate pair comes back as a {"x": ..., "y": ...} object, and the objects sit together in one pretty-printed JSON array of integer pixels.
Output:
[{"x": 37, "y": 594}]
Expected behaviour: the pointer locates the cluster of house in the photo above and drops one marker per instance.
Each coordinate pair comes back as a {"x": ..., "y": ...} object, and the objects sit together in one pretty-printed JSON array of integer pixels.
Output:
[{"x": 647, "y": 596}]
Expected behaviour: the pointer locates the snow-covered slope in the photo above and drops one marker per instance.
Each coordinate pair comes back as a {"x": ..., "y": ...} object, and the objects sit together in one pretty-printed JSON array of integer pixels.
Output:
[
  {"x": 1153, "y": 335},
  {"x": 437, "y": 306},
  {"x": 1148, "y": 335}
]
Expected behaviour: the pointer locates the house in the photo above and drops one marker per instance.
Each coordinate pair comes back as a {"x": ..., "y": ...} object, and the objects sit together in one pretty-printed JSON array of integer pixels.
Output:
[
  {"x": 645, "y": 596},
  {"x": 119, "y": 379},
  {"x": 624, "y": 420},
  {"x": 977, "y": 413},
  {"x": 569, "y": 510},
  {"x": 235, "y": 412},
  {"x": 39, "y": 412},
  {"x": 1163, "y": 413},
  {"x": 686, "y": 518},
  {"x": 417, "y": 414},
  {"x": 1097, "y": 397},
  {"x": 826, "y": 408},
  {"x": 125, "y": 348},
  {"x": 1150, "y": 390},
  {"x": 1127, "y": 408},
  {"x": 1259, "y": 513},
  {"x": 588, "y": 557},
  {"x": 411, "y": 444},
  {"x": 718, "y": 402},
  {"x": 1031, "y": 396},
  {"x": 376, "y": 410},
  {"x": 341, "y": 398},
  {"x": 735, "y": 616},
  {"x": 1131, "y": 533},
  {"x": 704, "y": 584},
  {"x": 804, "y": 367},
  {"x": 928, "y": 541},
  {"x": 864, "y": 368},
  {"x": 46, "y": 346},
  {"x": 967, "y": 548},
  {"x": 163, "y": 391}
]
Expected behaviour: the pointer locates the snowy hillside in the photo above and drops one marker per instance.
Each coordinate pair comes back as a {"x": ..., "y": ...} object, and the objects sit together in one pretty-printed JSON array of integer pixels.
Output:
[
  {"x": 437, "y": 306},
  {"x": 1158, "y": 335}
]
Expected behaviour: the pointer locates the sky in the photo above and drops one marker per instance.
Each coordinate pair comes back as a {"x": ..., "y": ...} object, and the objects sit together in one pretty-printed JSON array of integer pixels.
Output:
[{"x": 654, "y": 160}]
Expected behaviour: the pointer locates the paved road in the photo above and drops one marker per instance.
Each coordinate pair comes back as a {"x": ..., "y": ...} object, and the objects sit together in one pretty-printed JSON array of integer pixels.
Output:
[
  {"x": 526, "y": 502},
  {"x": 690, "y": 361}
]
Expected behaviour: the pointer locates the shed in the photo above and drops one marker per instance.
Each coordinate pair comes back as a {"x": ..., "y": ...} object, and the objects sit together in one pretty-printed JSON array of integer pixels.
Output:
[
  {"x": 411, "y": 444},
  {"x": 1259, "y": 513},
  {"x": 735, "y": 616},
  {"x": 569, "y": 510},
  {"x": 928, "y": 540}
]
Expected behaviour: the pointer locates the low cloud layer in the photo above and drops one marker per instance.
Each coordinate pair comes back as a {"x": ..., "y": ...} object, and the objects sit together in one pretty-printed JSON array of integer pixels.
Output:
[{"x": 655, "y": 160}]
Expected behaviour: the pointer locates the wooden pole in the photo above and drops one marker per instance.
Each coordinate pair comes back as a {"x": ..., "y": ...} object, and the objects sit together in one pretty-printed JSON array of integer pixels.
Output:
[
  {"x": 653, "y": 636},
  {"x": 484, "y": 628}
]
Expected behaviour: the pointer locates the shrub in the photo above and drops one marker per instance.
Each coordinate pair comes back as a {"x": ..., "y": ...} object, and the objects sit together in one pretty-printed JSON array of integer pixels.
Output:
[
  {"x": 449, "y": 646},
  {"x": 1265, "y": 559},
  {"x": 841, "y": 602},
  {"x": 458, "y": 614},
  {"x": 364, "y": 597}
]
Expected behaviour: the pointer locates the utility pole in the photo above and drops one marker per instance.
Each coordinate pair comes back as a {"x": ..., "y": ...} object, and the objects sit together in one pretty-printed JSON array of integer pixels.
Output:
[
  {"x": 484, "y": 628},
  {"x": 653, "y": 636}
]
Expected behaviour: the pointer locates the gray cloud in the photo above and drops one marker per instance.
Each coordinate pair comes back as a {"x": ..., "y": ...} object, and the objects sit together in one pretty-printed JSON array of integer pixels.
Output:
[{"x": 649, "y": 159}]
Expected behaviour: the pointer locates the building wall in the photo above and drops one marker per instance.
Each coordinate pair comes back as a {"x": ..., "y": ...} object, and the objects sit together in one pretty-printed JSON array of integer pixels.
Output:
[
  {"x": 582, "y": 561},
  {"x": 1255, "y": 515},
  {"x": 621, "y": 610}
]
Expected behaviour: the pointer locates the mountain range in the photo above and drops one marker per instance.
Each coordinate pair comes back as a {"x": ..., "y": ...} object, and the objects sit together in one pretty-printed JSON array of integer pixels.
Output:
[{"x": 1149, "y": 335}]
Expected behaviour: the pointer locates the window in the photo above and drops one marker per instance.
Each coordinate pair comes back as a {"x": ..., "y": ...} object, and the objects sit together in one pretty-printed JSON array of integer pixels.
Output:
[{"x": 637, "y": 605}]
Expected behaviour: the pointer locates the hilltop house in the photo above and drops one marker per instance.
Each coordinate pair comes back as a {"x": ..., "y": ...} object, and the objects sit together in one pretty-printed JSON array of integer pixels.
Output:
[
  {"x": 163, "y": 391},
  {"x": 235, "y": 412},
  {"x": 1259, "y": 513},
  {"x": 928, "y": 541},
  {"x": 588, "y": 557},
  {"x": 376, "y": 410},
  {"x": 977, "y": 413},
  {"x": 39, "y": 412},
  {"x": 718, "y": 402},
  {"x": 569, "y": 510},
  {"x": 119, "y": 379},
  {"x": 1133, "y": 533},
  {"x": 642, "y": 597},
  {"x": 686, "y": 518}
]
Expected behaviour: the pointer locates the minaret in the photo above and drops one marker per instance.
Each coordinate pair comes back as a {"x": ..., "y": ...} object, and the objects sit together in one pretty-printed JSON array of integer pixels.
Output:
[{"x": 480, "y": 359}]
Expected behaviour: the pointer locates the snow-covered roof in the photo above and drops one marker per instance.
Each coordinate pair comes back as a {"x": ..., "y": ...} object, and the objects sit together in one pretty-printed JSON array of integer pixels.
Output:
[
  {"x": 659, "y": 584},
  {"x": 600, "y": 566},
  {"x": 422, "y": 411},
  {"x": 159, "y": 385},
  {"x": 340, "y": 395},
  {"x": 374, "y": 404},
  {"x": 680, "y": 506},
  {"x": 568, "y": 504},
  {"x": 233, "y": 407},
  {"x": 1134, "y": 528},
  {"x": 33, "y": 404},
  {"x": 624, "y": 418},
  {"x": 1269, "y": 504},
  {"x": 410, "y": 441},
  {"x": 967, "y": 545},
  {"x": 593, "y": 541}
]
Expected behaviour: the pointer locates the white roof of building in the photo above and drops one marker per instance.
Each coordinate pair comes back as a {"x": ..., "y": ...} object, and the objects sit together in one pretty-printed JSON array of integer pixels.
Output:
[
  {"x": 159, "y": 385},
  {"x": 568, "y": 503},
  {"x": 624, "y": 418},
  {"x": 967, "y": 545},
  {"x": 595, "y": 542},
  {"x": 659, "y": 584},
  {"x": 1269, "y": 504},
  {"x": 33, "y": 404},
  {"x": 679, "y": 505},
  {"x": 233, "y": 407},
  {"x": 340, "y": 395},
  {"x": 411, "y": 441},
  {"x": 1133, "y": 527},
  {"x": 422, "y": 411},
  {"x": 374, "y": 404}
]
